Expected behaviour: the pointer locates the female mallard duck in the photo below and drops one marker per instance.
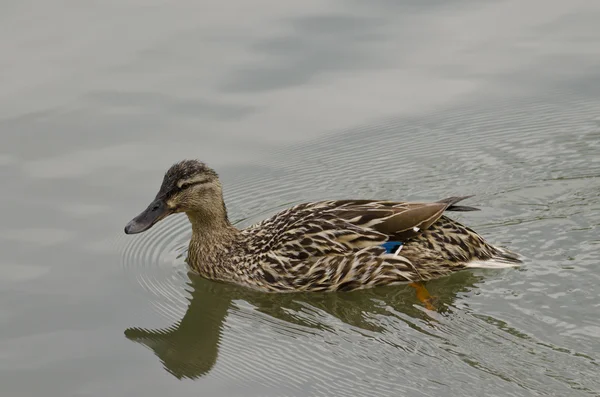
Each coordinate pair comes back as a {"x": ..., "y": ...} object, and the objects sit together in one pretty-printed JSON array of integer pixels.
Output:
[{"x": 320, "y": 246}]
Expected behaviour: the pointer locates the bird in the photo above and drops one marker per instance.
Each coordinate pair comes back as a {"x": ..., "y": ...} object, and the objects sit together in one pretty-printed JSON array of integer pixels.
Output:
[{"x": 319, "y": 246}]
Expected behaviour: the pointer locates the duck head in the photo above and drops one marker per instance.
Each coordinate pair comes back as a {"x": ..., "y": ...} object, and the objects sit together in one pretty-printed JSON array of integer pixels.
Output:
[{"x": 189, "y": 186}]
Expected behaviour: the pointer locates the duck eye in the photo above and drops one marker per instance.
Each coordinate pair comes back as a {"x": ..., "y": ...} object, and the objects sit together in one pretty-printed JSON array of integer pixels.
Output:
[{"x": 187, "y": 184}]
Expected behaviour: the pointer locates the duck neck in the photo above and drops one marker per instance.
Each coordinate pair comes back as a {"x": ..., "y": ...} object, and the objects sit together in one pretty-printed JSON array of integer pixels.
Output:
[{"x": 213, "y": 238}]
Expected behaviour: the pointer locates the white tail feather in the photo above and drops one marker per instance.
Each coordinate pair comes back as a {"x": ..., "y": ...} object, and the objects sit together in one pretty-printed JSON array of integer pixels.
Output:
[
  {"x": 491, "y": 264},
  {"x": 503, "y": 260}
]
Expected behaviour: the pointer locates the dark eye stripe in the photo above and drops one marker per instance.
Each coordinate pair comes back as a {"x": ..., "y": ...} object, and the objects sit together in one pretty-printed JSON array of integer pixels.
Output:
[{"x": 188, "y": 184}]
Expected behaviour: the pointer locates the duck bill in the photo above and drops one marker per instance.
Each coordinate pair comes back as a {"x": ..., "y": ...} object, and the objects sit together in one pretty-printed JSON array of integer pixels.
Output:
[{"x": 155, "y": 212}]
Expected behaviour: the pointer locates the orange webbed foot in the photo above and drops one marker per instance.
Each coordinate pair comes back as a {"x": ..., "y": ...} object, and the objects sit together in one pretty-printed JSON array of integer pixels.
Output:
[{"x": 423, "y": 295}]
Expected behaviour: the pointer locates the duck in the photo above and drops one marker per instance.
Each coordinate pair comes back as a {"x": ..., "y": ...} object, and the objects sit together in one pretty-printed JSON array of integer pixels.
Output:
[{"x": 319, "y": 246}]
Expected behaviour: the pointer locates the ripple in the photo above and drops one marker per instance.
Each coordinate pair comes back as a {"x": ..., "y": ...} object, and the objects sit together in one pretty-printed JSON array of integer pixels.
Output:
[
  {"x": 493, "y": 327},
  {"x": 154, "y": 261}
]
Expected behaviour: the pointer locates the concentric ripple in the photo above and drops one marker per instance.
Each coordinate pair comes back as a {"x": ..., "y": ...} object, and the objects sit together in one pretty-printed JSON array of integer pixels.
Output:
[
  {"x": 155, "y": 260},
  {"x": 537, "y": 193}
]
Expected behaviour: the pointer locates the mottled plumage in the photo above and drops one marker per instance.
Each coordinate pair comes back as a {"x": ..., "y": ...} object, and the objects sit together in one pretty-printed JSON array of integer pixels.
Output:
[{"x": 319, "y": 246}]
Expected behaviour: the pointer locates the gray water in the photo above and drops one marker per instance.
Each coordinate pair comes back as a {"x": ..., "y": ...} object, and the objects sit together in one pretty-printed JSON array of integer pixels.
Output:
[{"x": 297, "y": 101}]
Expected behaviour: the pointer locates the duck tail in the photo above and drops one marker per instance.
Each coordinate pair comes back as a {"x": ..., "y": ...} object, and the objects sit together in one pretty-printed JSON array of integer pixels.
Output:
[{"x": 501, "y": 258}]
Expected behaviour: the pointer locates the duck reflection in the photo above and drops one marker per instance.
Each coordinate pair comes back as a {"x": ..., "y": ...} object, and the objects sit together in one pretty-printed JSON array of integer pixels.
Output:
[{"x": 189, "y": 349}]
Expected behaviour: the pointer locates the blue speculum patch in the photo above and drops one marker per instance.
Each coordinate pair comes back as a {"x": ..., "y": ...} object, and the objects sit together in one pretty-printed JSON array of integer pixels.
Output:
[{"x": 391, "y": 246}]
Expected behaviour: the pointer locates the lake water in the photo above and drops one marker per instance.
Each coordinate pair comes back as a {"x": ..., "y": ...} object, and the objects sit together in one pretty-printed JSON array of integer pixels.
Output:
[{"x": 289, "y": 102}]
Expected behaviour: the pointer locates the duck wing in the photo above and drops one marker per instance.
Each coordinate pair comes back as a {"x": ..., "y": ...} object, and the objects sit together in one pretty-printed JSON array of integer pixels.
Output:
[
  {"x": 339, "y": 245},
  {"x": 325, "y": 228},
  {"x": 398, "y": 221}
]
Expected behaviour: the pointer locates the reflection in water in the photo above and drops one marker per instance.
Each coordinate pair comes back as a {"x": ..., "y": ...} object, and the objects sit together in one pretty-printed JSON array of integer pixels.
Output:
[
  {"x": 189, "y": 349},
  {"x": 532, "y": 331},
  {"x": 299, "y": 101}
]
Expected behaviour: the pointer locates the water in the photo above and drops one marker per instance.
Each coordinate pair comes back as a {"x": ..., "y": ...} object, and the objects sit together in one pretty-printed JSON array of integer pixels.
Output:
[{"x": 293, "y": 102}]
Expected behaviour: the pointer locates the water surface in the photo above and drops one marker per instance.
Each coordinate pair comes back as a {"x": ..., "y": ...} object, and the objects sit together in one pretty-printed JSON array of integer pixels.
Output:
[{"x": 292, "y": 102}]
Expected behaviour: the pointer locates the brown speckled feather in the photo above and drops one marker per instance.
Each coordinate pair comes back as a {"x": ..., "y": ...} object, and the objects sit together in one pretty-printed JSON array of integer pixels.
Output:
[
  {"x": 336, "y": 245},
  {"x": 319, "y": 246}
]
